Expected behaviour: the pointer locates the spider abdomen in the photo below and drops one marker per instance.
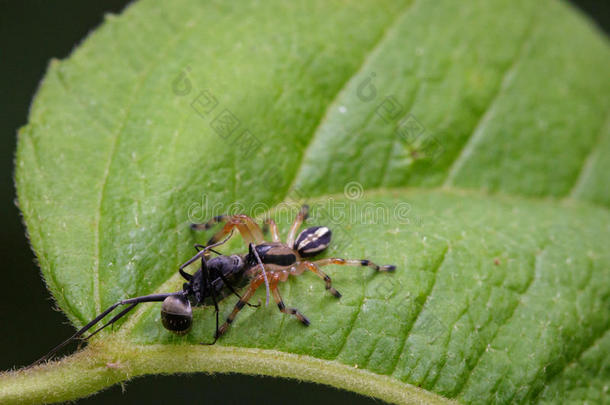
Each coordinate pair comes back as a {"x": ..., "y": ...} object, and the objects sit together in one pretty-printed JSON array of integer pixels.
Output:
[{"x": 312, "y": 241}]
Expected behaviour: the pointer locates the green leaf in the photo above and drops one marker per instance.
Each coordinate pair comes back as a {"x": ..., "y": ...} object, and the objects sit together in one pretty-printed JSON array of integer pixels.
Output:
[{"x": 463, "y": 142}]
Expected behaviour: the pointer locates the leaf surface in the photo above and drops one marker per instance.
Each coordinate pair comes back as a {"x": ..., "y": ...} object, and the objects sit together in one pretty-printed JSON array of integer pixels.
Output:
[{"x": 462, "y": 142}]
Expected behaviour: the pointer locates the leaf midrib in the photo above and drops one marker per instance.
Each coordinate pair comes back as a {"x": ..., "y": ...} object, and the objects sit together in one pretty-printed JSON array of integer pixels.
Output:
[
  {"x": 120, "y": 129},
  {"x": 385, "y": 35},
  {"x": 588, "y": 162},
  {"x": 174, "y": 279},
  {"x": 476, "y": 135}
]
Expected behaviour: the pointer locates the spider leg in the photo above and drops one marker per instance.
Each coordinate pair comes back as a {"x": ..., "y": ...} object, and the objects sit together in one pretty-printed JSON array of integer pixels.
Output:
[
  {"x": 298, "y": 221},
  {"x": 275, "y": 233},
  {"x": 314, "y": 267},
  {"x": 311, "y": 266},
  {"x": 282, "y": 306},
  {"x": 353, "y": 262},
  {"x": 249, "y": 230},
  {"x": 210, "y": 223},
  {"x": 254, "y": 284}
]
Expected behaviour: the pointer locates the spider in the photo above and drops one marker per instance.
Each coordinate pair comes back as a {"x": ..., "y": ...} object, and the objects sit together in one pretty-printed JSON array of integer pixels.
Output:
[{"x": 280, "y": 260}]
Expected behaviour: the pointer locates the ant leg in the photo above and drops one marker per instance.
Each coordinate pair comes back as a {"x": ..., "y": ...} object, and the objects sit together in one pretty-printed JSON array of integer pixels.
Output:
[
  {"x": 311, "y": 266},
  {"x": 113, "y": 320},
  {"x": 275, "y": 233},
  {"x": 201, "y": 254},
  {"x": 190, "y": 261},
  {"x": 289, "y": 311},
  {"x": 352, "y": 262},
  {"x": 217, "y": 322},
  {"x": 298, "y": 221},
  {"x": 199, "y": 247},
  {"x": 240, "y": 304},
  {"x": 210, "y": 287},
  {"x": 230, "y": 287}
]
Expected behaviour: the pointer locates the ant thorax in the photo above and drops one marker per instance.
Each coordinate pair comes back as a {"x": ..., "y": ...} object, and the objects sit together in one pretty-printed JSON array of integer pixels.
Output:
[{"x": 231, "y": 268}]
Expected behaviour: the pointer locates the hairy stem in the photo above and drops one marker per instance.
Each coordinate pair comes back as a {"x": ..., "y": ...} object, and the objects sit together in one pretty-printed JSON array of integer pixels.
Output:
[{"x": 106, "y": 363}]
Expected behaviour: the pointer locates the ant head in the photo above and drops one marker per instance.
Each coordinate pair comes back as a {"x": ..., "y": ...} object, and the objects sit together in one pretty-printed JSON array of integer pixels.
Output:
[{"x": 177, "y": 314}]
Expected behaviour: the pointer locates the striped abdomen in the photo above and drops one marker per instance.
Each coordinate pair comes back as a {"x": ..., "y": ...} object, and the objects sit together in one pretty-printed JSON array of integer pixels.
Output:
[{"x": 312, "y": 241}]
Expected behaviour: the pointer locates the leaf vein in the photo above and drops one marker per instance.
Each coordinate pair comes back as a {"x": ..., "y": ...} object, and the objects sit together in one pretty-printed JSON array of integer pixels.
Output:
[
  {"x": 140, "y": 82},
  {"x": 591, "y": 344},
  {"x": 353, "y": 320},
  {"x": 365, "y": 61},
  {"x": 538, "y": 261},
  {"x": 586, "y": 169},
  {"x": 479, "y": 129},
  {"x": 428, "y": 293}
]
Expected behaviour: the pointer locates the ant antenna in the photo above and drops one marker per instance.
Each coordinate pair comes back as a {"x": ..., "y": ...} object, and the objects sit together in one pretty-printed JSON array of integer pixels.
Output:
[
  {"x": 201, "y": 253},
  {"x": 260, "y": 263},
  {"x": 131, "y": 304}
]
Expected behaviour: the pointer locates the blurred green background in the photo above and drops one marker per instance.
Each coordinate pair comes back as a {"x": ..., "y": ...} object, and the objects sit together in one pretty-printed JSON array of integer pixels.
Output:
[{"x": 32, "y": 32}]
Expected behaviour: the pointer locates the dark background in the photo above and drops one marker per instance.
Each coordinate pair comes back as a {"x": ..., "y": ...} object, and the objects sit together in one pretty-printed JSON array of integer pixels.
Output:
[{"x": 32, "y": 32}]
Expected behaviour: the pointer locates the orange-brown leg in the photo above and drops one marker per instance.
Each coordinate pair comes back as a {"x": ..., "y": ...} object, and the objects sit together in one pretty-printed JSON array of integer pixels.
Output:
[
  {"x": 275, "y": 233},
  {"x": 311, "y": 266},
  {"x": 240, "y": 304},
  {"x": 249, "y": 230},
  {"x": 352, "y": 262},
  {"x": 298, "y": 221},
  {"x": 282, "y": 306},
  {"x": 210, "y": 223},
  {"x": 314, "y": 267}
]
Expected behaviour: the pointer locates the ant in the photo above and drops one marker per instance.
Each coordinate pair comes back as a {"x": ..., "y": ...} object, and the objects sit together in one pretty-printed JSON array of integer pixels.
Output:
[
  {"x": 205, "y": 285},
  {"x": 208, "y": 283}
]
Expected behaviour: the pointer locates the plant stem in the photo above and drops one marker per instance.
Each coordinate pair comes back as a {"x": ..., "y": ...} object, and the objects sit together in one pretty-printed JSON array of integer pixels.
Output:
[{"x": 106, "y": 363}]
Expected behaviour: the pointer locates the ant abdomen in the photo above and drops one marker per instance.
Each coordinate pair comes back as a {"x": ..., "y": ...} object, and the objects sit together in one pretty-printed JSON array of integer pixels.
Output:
[{"x": 177, "y": 314}]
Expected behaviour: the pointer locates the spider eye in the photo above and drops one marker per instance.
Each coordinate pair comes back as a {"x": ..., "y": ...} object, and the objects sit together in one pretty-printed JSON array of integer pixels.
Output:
[
  {"x": 312, "y": 241},
  {"x": 177, "y": 314}
]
